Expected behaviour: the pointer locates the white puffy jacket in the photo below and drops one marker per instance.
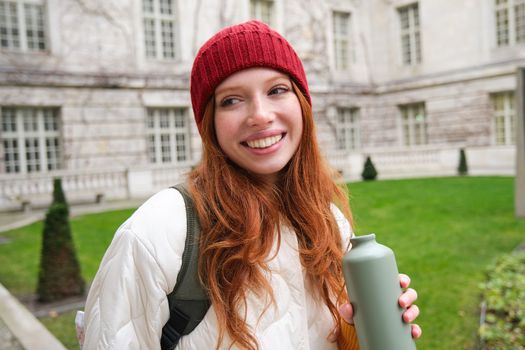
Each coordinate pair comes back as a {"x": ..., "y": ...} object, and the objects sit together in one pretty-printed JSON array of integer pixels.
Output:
[{"x": 127, "y": 306}]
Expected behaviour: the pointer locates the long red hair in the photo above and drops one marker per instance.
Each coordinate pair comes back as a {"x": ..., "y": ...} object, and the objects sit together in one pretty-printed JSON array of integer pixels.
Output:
[{"x": 240, "y": 216}]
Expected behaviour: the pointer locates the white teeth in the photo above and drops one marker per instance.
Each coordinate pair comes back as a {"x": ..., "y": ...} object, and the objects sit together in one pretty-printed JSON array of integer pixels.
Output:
[{"x": 265, "y": 142}]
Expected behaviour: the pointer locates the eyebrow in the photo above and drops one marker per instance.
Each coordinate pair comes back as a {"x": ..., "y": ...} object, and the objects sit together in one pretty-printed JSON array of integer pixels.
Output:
[{"x": 242, "y": 85}]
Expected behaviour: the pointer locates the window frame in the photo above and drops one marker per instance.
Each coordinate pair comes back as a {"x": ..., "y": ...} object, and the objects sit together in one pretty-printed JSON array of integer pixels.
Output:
[
  {"x": 158, "y": 18},
  {"x": 513, "y": 31},
  {"x": 342, "y": 41},
  {"x": 44, "y": 159},
  {"x": 410, "y": 126},
  {"x": 22, "y": 27},
  {"x": 167, "y": 153},
  {"x": 410, "y": 37},
  {"x": 507, "y": 115},
  {"x": 256, "y": 7},
  {"x": 348, "y": 133}
]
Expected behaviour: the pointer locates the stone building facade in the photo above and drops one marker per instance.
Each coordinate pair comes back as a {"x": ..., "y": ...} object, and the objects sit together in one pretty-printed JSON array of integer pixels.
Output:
[{"x": 97, "y": 92}]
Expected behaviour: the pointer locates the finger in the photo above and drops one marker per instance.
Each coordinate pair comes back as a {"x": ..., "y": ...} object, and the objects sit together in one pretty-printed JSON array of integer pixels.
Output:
[
  {"x": 416, "y": 331},
  {"x": 404, "y": 280},
  {"x": 347, "y": 313},
  {"x": 407, "y": 298},
  {"x": 411, "y": 314},
  {"x": 332, "y": 337}
]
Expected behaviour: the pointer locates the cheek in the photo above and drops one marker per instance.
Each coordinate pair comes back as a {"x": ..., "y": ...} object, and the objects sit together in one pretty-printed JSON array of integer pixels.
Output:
[{"x": 224, "y": 131}]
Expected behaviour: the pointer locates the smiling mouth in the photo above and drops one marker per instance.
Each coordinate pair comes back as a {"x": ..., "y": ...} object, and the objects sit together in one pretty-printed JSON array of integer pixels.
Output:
[{"x": 264, "y": 142}]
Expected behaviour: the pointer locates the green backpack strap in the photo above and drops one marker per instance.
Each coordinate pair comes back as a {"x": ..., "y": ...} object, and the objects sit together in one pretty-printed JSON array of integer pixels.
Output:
[{"x": 188, "y": 301}]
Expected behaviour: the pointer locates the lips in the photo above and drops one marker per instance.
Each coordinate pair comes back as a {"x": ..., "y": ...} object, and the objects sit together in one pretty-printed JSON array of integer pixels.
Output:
[{"x": 264, "y": 142}]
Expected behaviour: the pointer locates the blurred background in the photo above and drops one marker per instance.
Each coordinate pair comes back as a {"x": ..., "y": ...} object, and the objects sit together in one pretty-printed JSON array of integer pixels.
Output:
[
  {"x": 97, "y": 92},
  {"x": 415, "y": 92}
]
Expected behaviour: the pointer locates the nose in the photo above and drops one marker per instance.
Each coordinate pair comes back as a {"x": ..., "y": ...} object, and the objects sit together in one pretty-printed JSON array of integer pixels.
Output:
[{"x": 260, "y": 112}]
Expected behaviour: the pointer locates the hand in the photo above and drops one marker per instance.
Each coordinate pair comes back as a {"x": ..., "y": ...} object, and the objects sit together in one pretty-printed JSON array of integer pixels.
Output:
[{"x": 406, "y": 301}]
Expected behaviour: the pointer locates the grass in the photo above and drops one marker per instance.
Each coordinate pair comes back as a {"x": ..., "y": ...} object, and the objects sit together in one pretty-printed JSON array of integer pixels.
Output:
[
  {"x": 444, "y": 231},
  {"x": 63, "y": 328}
]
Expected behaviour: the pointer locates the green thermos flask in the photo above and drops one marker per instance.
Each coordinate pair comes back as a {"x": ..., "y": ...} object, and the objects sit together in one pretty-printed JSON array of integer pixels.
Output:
[{"x": 372, "y": 282}]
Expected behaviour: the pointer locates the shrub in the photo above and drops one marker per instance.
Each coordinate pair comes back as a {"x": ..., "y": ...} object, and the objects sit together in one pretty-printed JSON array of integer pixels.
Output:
[
  {"x": 462, "y": 167},
  {"x": 369, "y": 170},
  {"x": 504, "y": 296},
  {"x": 59, "y": 276},
  {"x": 58, "y": 193}
]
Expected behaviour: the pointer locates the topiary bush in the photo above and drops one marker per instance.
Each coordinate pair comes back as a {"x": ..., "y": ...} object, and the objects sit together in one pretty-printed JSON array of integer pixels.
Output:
[
  {"x": 462, "y": 166},
  {"x": 58, "y": 192},
  {"x": 369, "y": 170},
  {"x": 504, "y": 296},
  {"x": 59, "y": 276}
]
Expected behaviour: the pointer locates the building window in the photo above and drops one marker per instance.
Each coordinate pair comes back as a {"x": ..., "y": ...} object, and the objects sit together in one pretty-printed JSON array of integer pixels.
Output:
[
  {"x": 160, "y": 29},
  {"x": 168, "y": 135},
  {"x": 510, "y": 22},
  {"x": 414, "y": 124},
  {"x": 410, "y": 34},
  {"x": 347, "y": 131},
  {"x": 22, "y": 26},
  {"x": 341, "y": 34},
  {"x": 504, "y": 118},
  {"x": 31, "y": 140},
  {"x": 262, "y": 10}
]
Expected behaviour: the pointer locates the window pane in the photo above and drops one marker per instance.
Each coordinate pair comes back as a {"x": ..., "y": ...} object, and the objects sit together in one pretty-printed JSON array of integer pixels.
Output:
[
  {"x": 166, "y": 7},
  {"x": 168, "y": 40},
  {"x": 151, "y": 148},
  {"x": 31, "y": 139},
  {"x": 8, "y": 120},
  {"x": 180, "y": 118},
  {"x": 53, "y": 153},
  {"x": 417, "y": 44},
  {"x": 9, "y": 32},
  {"x": 341, "y": 34},
  {"x": 347, "y": 130},
  {"x": 30, "y": 120},
  {"x": 414, "y": 124},
  {"x": 12, "y": 163},
  {"x": 149, "y": 37},
  {"x": 159, "y": 28},
  {"x": 410, "y": 34},
  {"x": 181, "y": 147},
  {"x": 168, "y": 134},
  {"x": 502, "y": 27},
  {"x": 34, "y": 21},
  {"x": 262, "y": 10},
  {"x": 519, "y": 20},
  {"x": 147, "y": 6},
  {"x": 32, "y": 155},
  {"x": 165, "y": 148},
  {"x": 504, "y": 118},
  {"x": 164, "y": 119}
]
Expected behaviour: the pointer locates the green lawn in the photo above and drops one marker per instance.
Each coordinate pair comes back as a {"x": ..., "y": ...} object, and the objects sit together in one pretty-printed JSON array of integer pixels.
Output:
[{"x": 444, "y": 231}]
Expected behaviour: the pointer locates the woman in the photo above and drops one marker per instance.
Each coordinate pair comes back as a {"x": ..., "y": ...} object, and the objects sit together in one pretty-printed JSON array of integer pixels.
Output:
[{"x": 274, "y": 224}]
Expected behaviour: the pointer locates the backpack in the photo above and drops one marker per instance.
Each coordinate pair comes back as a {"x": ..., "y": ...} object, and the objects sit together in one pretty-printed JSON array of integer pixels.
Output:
[{"x": 188, "y": 302}]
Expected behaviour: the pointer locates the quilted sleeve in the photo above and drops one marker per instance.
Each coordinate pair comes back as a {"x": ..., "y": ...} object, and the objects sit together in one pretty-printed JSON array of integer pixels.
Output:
[{"x": 127, "y": 306}]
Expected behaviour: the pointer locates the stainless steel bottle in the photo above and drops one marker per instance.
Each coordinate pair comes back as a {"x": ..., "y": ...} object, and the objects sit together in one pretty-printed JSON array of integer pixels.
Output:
[{"x": 372, "y": 282}]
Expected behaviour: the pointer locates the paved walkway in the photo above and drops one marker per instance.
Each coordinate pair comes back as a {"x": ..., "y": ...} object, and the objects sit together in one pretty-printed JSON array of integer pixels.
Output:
[
  {"x": 12, "y": 220},
  {"x": 19, "y": 328},
  {"x": 7, "y": 339}
]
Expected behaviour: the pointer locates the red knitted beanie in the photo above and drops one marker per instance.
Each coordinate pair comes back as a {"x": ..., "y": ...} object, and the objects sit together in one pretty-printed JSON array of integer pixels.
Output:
[{"x": 245, "y": 45}]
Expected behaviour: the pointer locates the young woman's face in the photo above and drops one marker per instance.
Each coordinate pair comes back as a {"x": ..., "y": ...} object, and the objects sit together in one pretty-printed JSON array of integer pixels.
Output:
[{"x": 258, "y": 120}]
